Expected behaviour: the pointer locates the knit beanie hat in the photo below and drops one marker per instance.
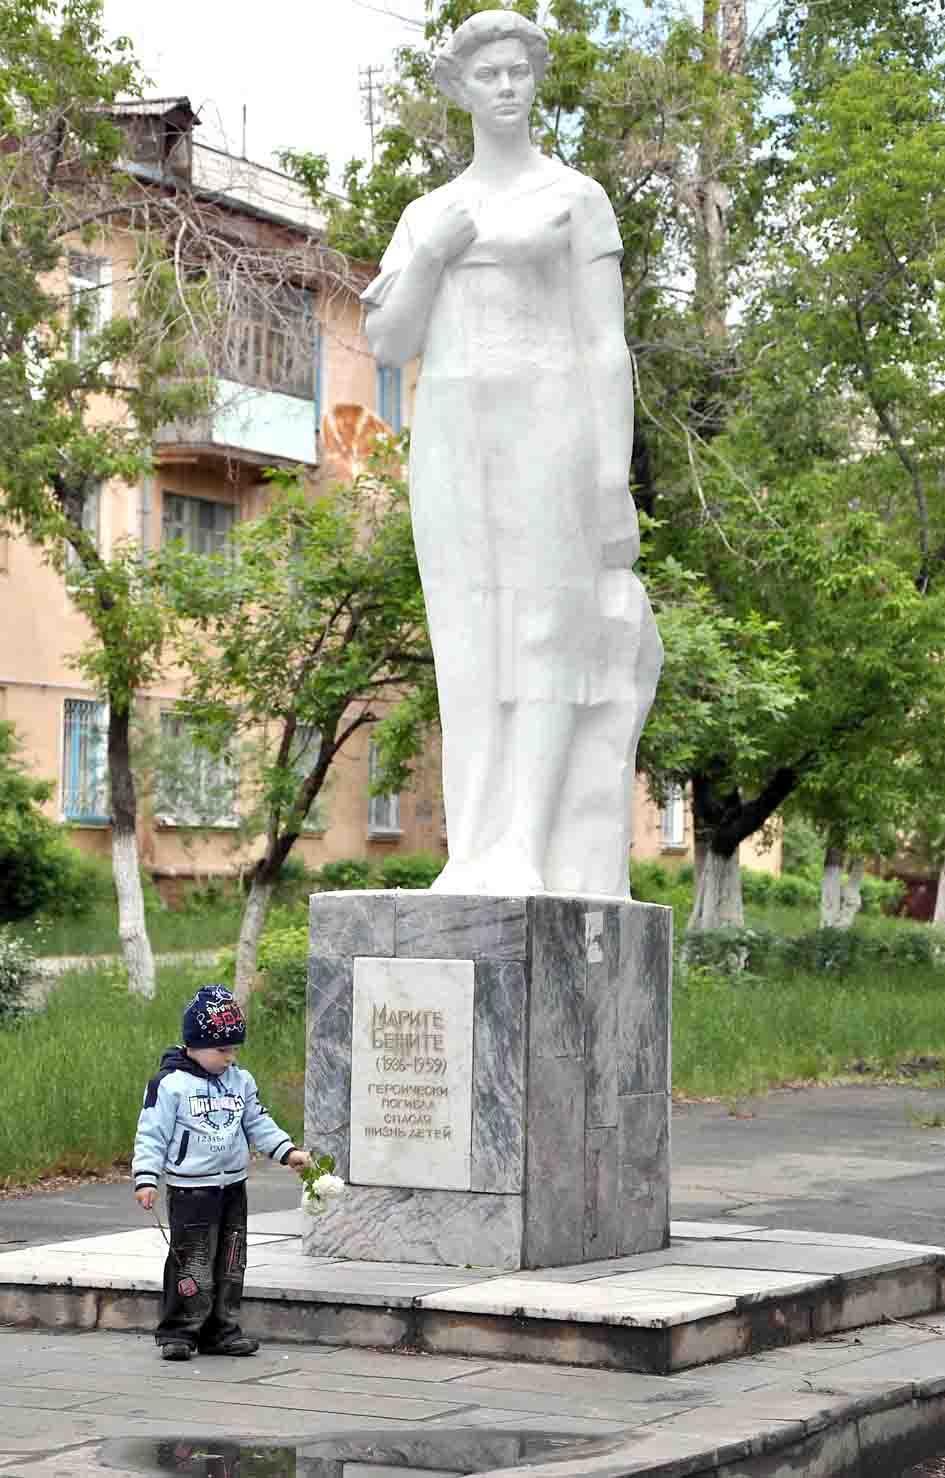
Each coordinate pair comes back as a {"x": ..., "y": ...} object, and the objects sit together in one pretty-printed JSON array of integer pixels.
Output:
[{"x": 213, "y": 1019}]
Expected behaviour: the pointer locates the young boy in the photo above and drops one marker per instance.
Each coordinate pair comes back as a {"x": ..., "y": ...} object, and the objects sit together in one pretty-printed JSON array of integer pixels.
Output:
[{"x": 201, "y": 1113}]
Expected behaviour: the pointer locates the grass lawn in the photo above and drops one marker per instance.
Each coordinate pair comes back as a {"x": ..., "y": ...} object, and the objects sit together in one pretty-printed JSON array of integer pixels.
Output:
[
  {"x": 96, "y": 932},
  {"x": 74, "y": 1074}
]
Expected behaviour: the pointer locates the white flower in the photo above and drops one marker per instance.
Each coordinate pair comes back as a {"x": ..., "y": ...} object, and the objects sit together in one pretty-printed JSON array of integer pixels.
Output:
[
  {"x": 328, "y": 1186},
  {"x": 320, "y": 1190}
]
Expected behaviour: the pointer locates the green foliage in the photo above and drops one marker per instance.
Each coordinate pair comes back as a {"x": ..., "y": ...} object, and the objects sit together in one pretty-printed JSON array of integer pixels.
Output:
[
  {"x": 38, "y": 868},
  {"x": 756, "y": 953},
  {"x": 295, "y": 639},
  {"x": 410, "y": 869},
  {"x": 732, "y": 1038},
  {"x": 347, "y": 872},
  {"x": 283, "y": 963},
  {"x": 17, "y": 963},
  {"x": 802, "y": 847},
  {"x": 398, "y": 870},
  {"x": 881, "y": 895}
]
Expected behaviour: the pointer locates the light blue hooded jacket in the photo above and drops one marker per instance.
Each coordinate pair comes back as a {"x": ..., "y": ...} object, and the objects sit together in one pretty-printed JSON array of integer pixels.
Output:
[{"x": 197, "y": 1129}]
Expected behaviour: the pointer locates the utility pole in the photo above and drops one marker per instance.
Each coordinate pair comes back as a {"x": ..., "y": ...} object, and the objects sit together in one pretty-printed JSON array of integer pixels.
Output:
[{"x": 370, "y": 87}]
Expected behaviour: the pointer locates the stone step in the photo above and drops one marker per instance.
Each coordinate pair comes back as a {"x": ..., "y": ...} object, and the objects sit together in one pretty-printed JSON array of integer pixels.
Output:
[{"x": 717, "y": 1292}]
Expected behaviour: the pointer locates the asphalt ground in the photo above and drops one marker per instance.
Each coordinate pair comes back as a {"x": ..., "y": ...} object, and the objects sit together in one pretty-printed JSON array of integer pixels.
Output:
[{"x": 845, "y": 1159}]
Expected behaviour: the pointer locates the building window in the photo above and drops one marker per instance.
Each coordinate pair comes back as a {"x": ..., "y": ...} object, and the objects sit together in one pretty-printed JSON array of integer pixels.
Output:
[
  {"x": 89, "y": 293},
  {"x": 194, "y": 786},
  {"x": 383, "y": 810},
  {"x": 306, "y": 745},
  {"x": 272, "y": 342},
  {"x": 91, "y": 524},
  {"x": 4, "y": 553},
  {"x": 202, "y": 526},
  {"x": 85, "y": 761},
  {"x": 389, "y": 406},
  {"x": 673, "y": 817}
]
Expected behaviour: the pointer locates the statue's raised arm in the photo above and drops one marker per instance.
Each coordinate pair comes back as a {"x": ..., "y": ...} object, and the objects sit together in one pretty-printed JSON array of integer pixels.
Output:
[{"x": 506, "y": 282}]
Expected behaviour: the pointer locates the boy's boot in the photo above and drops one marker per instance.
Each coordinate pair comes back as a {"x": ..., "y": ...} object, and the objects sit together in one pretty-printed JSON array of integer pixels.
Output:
[{"x": 175, "y": 1349}]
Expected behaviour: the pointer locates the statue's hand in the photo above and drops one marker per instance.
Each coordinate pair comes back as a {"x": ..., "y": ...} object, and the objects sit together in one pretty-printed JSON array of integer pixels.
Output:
[{"x": 453, "y": 230}]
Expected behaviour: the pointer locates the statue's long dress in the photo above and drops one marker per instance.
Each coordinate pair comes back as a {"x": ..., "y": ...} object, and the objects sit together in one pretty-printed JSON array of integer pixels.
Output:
[{"x": 507, "y": 515}]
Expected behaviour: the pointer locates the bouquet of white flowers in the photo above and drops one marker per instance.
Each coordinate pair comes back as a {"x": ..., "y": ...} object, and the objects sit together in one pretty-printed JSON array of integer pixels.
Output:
[{"x": 320, "y": 1184}]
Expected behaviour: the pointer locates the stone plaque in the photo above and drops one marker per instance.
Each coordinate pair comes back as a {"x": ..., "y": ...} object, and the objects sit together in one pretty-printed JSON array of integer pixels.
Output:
[{"x": 411, "y": 1073}]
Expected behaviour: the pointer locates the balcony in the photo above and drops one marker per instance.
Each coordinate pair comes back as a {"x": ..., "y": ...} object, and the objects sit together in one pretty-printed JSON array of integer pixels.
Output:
[{"x": 249, "y": 424}]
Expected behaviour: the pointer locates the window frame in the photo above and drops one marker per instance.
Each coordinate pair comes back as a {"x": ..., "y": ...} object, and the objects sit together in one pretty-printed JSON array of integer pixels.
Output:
[
  {"x": 82, "y": 286},
  {"x": 316, "y": 820},
  {"x": 96, "y": 784},
  {"x": 673, "y": 819},
  {"x": 167, "y": 811},
  {"x": 274, "y": 345},
  {"x": 191, "y": 528},
  {"x": 378, "y": 826}
]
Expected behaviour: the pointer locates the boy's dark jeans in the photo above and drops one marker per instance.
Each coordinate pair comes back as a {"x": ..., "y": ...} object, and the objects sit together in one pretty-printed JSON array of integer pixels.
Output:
[{"x": 203, "y": 1274}]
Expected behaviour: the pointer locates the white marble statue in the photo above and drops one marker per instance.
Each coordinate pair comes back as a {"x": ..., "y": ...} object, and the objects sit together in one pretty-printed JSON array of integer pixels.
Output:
[{"x": 507, "y": 282}]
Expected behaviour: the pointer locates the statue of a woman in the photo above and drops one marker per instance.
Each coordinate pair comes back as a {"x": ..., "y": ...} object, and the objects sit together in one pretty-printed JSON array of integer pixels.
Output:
[{"x": 506, "y": 281}]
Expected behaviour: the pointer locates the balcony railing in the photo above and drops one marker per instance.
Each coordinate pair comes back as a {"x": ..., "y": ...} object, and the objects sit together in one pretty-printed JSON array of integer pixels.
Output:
[{"x": 250, "y": 423}]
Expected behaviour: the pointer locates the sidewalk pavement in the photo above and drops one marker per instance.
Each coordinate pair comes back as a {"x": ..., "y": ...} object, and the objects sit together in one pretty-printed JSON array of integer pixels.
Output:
[
  {"x": 73, "y": 1402},
  {"x": 846, "y": 1159}
]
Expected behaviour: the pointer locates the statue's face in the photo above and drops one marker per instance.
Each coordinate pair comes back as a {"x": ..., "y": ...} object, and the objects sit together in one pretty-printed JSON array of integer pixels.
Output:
[{"x": 498, "y": 85}]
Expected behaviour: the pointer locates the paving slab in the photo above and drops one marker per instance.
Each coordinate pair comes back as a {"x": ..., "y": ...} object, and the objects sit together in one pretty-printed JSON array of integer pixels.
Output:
[{"x": 773, "y": 1419}]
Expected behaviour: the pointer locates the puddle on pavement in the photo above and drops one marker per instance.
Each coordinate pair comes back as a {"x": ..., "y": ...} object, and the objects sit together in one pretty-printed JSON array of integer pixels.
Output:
[{"x": 441, "y": 1454}]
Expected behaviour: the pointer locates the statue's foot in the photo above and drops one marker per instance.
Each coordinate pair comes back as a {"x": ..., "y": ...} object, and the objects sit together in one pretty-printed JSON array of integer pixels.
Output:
[{"x": 502, "y": 872}]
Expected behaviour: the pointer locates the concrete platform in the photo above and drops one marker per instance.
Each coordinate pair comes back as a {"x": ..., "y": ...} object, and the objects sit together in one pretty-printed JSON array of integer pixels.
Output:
[
  {"x": 91, "y": 1405},
  {"x": 718, "y": 1292}
]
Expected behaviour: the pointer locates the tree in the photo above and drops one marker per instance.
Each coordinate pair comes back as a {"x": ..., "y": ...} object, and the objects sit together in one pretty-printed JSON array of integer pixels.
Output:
[
  {"x": 37, "y": 869},
  {"x": 81, "y": 397},
  {"x": 310, "y": 629}
]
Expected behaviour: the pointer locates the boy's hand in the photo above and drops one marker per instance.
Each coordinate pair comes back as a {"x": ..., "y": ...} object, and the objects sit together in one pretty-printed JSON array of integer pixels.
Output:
[
  {"x": 299, "y": 1160},
  {"x": 146, "y": 1197}
]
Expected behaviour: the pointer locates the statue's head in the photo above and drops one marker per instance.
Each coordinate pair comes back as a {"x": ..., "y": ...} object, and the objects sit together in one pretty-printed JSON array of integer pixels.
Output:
[{"x": 488, "y": 42}]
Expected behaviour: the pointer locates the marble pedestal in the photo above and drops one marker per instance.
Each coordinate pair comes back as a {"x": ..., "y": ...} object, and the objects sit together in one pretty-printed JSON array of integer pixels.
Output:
[{"x": 491, "y": 1075}]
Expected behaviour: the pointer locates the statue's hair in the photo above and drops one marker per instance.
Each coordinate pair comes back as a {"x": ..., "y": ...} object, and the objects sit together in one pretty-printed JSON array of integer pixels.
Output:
[{"x": 480, "y": 30}]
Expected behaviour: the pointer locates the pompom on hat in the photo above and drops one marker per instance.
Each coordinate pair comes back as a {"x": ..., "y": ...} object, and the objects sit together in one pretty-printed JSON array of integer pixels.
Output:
[
  {"x": 479, "y": 30},
  {"x": 214, "y": 1019}
]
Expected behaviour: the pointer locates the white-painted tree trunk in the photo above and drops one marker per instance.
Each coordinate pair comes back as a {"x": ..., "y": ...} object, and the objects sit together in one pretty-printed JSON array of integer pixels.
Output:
[
  {"x": 851, "y": 899},
  {"x": 841, "y": 898},
  {"x": 938, "y": 917},
  {"x": 831, "y": 889},
  {"x": 251, "y": 927},
  {"x": 718, "y": 900},
  {"x": 132, "y": 928}
]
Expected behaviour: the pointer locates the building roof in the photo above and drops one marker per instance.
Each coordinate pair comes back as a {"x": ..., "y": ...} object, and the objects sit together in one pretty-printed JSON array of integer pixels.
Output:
[{"x": 153, "y": 108}]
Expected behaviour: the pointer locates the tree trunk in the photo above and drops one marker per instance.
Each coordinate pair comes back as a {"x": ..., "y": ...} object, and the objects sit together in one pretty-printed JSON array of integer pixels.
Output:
[
  {"x": 718, "y": 900},
  {"x": 852, "y": 896},
  {"x": 938, "y": 917},
  {"x": 251, "y": 927},
  {"x": 831, "y": 889},
  {"x": 132, "y": 927}
]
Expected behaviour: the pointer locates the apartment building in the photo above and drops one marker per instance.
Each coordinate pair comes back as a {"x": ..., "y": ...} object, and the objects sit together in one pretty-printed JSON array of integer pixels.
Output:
[{"x": 275, "y": 405}]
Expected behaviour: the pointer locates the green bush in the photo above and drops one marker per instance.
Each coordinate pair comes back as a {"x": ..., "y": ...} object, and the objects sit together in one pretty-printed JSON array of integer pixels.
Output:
[
  {"x": 802, "y": 849},
  {"x": 757, "y": 887},
  {"x": 410, "y": 869},
  {"x": 17, "y": 963},
  {"x": 283, "y": 964},
  {"x": 793, "y": 891},
  {"x": 882, "y": 895},
  {"x": 347, "y": 872}
]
